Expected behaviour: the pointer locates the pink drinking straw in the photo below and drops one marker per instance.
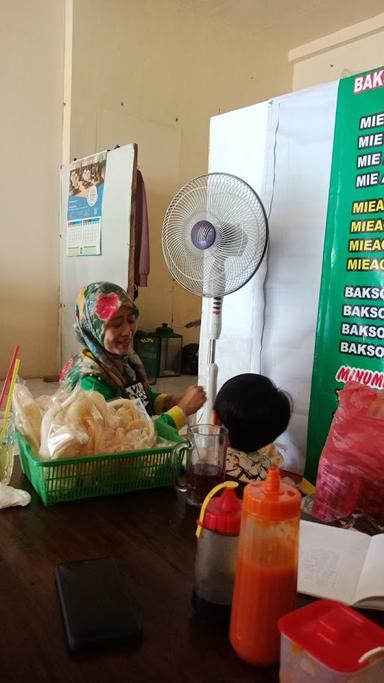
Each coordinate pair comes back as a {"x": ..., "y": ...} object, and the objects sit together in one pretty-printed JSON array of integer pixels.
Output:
[{"x": 9, "y": 375}]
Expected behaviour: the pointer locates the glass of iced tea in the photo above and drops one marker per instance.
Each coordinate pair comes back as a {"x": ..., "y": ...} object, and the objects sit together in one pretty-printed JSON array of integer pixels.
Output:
[
  {"x": 205, "y": 465},
  {"x": 6, "y": 448}
]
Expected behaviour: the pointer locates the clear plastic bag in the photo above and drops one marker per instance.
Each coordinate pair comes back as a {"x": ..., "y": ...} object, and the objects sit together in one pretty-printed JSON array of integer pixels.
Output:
[
  {"x": 27, "y": 413},
  {"x": 132, "y": 427},
  {"x": 72, "y": 426},
  {"x": 82, "y": 423},
  {"x": 351, "y": 467}
]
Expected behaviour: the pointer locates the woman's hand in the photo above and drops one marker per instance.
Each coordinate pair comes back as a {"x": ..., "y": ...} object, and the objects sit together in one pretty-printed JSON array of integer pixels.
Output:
[{"x": 192, "y": 399}]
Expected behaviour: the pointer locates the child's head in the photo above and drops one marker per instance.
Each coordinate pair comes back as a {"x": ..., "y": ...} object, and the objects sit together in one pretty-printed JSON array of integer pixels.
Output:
[
  {"x": 254, "y": 411},
  {"x": 105, "y": 318}
]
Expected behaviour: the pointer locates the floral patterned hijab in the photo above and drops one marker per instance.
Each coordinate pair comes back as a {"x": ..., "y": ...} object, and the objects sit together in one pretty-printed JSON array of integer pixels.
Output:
[{"x": 96, "y": 304}]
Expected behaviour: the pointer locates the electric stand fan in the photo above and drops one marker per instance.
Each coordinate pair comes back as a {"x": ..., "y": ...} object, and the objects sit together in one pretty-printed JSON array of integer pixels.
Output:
[{"x": 214, "y": 238}]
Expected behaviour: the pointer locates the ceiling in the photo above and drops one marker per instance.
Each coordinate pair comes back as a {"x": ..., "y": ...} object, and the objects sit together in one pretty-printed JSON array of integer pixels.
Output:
[{"x": 289, "y": 22}]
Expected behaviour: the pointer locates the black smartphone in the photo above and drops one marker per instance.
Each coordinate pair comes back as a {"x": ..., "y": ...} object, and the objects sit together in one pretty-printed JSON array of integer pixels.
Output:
[{"x": 96, "y": 604}]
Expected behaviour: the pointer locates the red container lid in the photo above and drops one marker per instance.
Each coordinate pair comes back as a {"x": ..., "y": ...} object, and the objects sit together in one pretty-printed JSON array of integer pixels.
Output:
[
  {"x": 334, "y": 634},
  {"x": 223, "y": 513}
]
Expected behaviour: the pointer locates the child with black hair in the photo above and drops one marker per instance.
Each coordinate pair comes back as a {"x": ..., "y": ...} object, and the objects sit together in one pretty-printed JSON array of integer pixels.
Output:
[{"x": 255, "y": 412}]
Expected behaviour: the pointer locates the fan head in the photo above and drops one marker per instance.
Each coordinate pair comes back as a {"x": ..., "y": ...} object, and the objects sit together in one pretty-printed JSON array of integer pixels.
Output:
[{"x": 215, "y": 234}]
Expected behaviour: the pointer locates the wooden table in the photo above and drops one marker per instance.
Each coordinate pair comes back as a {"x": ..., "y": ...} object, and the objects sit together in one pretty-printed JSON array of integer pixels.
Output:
[{"x": 152, "y": 532}]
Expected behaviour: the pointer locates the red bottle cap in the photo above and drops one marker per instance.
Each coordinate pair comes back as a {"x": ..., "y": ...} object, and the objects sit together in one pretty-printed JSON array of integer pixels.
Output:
[
  {"x": 333, "y": 634},
  {"x": 271, "y": 499},
  {"x": 223, "y": 513}
]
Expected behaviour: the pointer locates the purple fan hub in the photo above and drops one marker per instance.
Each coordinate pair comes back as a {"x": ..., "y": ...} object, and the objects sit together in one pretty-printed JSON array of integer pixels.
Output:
[{"x": 203, "y": 235}]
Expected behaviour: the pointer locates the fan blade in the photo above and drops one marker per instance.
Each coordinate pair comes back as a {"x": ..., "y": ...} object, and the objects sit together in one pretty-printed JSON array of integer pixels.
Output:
[{"x": 214, "y": 219}]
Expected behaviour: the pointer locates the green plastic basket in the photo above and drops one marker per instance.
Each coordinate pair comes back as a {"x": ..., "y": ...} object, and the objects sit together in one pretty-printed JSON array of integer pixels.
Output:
[{"x": 59, "y": 481}]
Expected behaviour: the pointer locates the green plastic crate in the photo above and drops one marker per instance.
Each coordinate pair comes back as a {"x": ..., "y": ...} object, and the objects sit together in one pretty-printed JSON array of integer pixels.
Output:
[{"x": 59, "y": 481}]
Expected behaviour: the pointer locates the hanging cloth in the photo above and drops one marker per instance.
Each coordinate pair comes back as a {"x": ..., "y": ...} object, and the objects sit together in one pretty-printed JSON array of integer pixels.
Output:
[{"x": 141, "y": 235}]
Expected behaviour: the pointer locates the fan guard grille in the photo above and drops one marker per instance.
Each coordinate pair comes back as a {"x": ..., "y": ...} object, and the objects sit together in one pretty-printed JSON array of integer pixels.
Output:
[{"x": 214, "y": 235}]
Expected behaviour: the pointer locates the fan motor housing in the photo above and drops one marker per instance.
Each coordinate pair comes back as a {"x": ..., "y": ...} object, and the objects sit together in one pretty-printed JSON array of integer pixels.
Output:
[{"x": 203, "y": 234}]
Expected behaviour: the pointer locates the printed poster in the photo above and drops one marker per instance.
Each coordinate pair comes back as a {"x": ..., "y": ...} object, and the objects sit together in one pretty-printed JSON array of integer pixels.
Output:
[
  {"x": 350, "y": 325},
  {"x": 85, "y": 201},
  {"x": 84, "y": 237}
]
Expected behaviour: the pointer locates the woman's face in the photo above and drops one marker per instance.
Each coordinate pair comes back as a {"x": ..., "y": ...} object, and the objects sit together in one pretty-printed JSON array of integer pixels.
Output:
[{"x": 118, "y": 337}]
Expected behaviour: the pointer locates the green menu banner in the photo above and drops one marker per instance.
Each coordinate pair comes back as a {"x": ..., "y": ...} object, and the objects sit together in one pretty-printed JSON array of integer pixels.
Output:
[{"x": 350, "y": 324}]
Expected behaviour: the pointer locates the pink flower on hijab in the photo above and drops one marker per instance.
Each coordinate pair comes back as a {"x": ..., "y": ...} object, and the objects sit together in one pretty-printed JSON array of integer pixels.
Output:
[
  {"x": 66, "y": 369},
  {"x": 107, "y": 305}
]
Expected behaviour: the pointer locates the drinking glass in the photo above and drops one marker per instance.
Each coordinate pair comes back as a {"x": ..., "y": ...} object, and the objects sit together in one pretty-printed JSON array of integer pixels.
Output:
[{"x": 205, "y": 462}]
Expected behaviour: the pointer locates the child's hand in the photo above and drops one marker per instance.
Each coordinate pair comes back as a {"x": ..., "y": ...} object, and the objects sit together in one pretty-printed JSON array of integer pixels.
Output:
[{"x": 192, "y": 399}]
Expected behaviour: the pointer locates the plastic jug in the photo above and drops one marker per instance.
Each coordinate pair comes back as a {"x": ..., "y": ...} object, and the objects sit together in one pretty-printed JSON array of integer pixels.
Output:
[
  {"x": 218, "y": 534},
  {"x": 327, "y": 642},
  {"x": 266, "y": 568}
]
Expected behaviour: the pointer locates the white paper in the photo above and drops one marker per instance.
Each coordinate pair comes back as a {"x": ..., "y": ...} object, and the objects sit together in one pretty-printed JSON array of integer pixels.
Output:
[
  {"x": 372, "y": 576},
  {"x": 331, "y": 561}
]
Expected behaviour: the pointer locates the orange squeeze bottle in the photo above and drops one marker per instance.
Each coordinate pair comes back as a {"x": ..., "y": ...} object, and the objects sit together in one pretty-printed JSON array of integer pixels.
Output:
[{"x": 266, "y": 568}]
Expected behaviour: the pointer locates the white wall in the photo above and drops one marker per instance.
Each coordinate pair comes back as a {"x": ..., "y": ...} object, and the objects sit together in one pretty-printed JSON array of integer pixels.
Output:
[
  {"x": 146, "y": 71},
  {"x": 353, "y": 49},
  {"x": 31, "y": 81}
]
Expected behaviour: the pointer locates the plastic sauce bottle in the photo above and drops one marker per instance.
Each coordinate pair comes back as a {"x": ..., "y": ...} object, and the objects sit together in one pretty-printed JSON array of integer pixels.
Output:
[
  {"x": 266, "y": 568},
  {"x": 218, "y": 535}
]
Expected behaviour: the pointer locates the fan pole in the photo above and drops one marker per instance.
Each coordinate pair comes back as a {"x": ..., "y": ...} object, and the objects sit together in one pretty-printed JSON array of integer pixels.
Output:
[{"x": 214, "y": 333}]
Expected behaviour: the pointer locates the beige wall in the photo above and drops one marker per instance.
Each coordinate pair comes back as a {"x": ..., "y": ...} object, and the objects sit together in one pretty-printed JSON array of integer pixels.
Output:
[
  {"x": 356, "y": 48},
  {"x": 31, "y": 54},
  {"x": 153, "y": 72},
  {"x": 146, "y": 71}
]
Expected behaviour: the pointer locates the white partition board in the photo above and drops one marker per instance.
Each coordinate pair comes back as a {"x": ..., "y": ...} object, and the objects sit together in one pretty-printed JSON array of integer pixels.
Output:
[
  {"x": 233, "y": 150},
  {"x": 302, "y": 165},
  {"x": 112, "y": 264},
  {"x": 283, "y": 148}
]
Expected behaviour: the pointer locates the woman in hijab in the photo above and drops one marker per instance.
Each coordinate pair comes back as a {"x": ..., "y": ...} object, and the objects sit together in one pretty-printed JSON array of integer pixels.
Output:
[{"x": 105, "y": 323}]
